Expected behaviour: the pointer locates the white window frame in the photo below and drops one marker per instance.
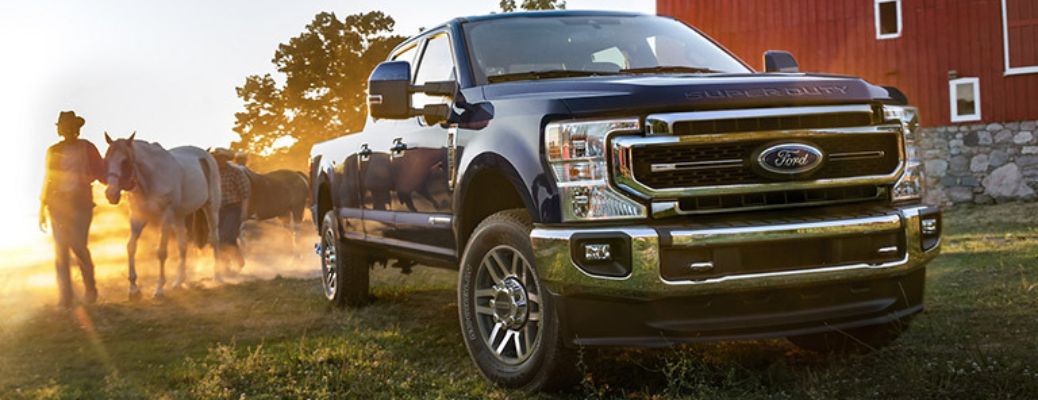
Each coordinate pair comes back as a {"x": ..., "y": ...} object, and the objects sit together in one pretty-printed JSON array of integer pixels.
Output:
[
  {"x": 954, "y": 102},
  {"x": 1009, "y": 69},
  {"x": 879, "y": 26}
]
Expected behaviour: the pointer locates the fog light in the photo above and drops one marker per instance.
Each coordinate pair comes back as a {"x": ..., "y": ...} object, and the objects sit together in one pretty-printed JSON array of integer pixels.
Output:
[
  {"x": 597, "y": 252},
  {"x": 602, "y": 253},
  {"x": 929, "y": 226}
]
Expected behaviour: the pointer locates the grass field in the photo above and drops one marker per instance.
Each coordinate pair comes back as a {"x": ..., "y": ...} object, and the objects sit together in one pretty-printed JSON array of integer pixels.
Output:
[{"x": 273, "y": 337}]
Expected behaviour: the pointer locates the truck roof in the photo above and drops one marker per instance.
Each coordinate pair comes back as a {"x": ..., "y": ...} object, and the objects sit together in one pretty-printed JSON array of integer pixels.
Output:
[{"x": 551, "y": 13}]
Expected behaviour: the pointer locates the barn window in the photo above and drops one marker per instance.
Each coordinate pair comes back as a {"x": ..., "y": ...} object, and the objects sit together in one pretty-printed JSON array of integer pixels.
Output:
[
  {"x": 1019, "y": 34},
  {"x": 964, "y": 94},
  {"x": 888, "y": 19}
]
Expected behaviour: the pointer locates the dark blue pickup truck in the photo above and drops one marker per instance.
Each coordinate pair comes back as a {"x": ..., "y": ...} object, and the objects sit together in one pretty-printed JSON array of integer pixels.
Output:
[{"x": 602, "y": 178}]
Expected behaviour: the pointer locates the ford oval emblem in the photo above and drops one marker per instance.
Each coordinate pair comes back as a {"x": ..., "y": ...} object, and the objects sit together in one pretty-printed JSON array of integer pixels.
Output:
[{"x": 790, "y": 158}]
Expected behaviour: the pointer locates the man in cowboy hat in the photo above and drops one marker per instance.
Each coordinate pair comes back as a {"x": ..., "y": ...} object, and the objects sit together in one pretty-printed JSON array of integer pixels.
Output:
[
  {"x": 235, "y": 190},
  {"x": 72, "y": 166}
]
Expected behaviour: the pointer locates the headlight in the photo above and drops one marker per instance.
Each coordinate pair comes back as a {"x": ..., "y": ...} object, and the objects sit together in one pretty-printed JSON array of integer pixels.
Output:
[
  {"x": 911, "y": 184},
  {"x": 576, "y": 151}
]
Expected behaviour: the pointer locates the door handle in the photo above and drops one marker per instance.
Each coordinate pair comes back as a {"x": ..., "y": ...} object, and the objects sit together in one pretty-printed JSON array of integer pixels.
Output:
[
  {"x": 398, "y": 148},
  {"x": 365, "y": 152}
]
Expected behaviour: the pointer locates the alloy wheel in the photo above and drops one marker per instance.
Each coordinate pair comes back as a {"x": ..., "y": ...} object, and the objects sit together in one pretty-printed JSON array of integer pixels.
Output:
[{"x": 508, "y": 305}]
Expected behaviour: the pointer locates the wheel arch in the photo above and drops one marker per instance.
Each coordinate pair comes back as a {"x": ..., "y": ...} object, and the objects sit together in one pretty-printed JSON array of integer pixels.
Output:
[{"x": 490, "y": 184}]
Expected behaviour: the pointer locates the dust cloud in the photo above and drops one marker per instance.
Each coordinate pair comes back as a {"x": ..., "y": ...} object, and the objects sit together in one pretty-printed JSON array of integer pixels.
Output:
[{"x": 27, "y": 278}]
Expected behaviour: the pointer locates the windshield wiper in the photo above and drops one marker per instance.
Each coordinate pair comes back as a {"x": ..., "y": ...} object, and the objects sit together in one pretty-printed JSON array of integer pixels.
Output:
[
  {"x": 669, "y": 68},
  {"x": 545, "y": 74}
]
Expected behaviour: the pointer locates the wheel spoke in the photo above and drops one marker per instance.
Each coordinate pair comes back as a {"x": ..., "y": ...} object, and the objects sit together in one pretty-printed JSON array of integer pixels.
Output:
[
  {"x": 504, "y": 342},
  {"x": 533, "y": 297},
  {"x": 498, "y": 263},
  {"x": 515, "y": 261},
  {"x": 518, "y": 348},
  {"x": 534, "y": 316},
  {"x": 489, "y": 266},
  {"x": 484, "y": 310},
  {"x": 485, "y": 292},
  {"x": 529, "y": 335},
  {"x": 493, "y": 333}
]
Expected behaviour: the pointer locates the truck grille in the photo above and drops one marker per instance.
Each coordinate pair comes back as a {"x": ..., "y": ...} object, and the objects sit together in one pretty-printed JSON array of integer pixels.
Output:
[
  {"x": 848, "y": 156},
  {"x": 707, "y": 161}
]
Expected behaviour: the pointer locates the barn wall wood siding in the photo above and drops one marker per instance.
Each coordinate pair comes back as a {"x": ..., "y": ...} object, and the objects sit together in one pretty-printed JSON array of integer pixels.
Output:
[{"x": 839, "y": 36}]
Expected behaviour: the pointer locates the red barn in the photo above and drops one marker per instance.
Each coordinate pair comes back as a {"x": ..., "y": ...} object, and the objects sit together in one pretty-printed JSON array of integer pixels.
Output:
[
  {"x": 971, "y": 66},
  {"x": 916, "y": 45}
]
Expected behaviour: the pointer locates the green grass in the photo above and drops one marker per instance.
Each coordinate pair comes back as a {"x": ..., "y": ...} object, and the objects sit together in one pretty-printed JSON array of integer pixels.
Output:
[{"x": 978, "y": 338}]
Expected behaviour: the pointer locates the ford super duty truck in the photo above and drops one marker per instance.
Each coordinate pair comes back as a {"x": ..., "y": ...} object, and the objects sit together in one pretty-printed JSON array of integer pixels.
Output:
[{"x": 602, "y": 178}]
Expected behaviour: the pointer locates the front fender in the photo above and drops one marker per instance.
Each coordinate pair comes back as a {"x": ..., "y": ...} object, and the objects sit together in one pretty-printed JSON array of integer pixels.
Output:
[{"x": 517, "y": 157}]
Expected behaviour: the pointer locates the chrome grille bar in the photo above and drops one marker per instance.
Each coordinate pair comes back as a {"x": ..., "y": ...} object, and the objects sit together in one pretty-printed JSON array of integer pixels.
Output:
[{"x": 662, "y": 124}]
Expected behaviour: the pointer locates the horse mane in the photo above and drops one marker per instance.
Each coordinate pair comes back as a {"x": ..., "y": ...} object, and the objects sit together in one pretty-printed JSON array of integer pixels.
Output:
[{"x": 146, "y": 155}]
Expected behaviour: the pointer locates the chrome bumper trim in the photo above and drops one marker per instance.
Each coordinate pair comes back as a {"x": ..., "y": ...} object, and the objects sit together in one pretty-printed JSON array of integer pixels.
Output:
[
  {"x": 560, "y": 273},
  {"x": 767, "y": 233}
]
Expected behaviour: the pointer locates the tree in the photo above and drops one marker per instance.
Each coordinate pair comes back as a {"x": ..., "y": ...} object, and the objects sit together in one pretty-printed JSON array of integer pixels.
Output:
[
  {"x": 509, "y": 5},
  {"x": 325, "y": 72}
]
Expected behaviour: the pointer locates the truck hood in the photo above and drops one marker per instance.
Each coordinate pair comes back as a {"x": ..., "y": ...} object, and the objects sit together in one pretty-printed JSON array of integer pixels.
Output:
[{"x": 640, "y": 94}]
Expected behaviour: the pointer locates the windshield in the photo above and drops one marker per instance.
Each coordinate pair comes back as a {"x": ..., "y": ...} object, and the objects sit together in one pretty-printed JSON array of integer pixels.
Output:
[{"x": 524, "y": 48}]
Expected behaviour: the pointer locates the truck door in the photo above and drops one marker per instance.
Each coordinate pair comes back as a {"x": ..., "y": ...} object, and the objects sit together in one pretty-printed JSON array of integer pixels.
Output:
[
  {"x": 376, "y": 172},
  {"x": 421, "y": 158}
]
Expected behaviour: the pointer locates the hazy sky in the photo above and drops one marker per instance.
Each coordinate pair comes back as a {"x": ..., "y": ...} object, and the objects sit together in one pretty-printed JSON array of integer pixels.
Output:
[{"x": 165, "y": 69}]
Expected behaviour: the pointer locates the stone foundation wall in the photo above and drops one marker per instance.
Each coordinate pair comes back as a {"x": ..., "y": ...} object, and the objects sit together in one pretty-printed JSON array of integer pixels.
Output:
[{"x": 980, "y": 163}]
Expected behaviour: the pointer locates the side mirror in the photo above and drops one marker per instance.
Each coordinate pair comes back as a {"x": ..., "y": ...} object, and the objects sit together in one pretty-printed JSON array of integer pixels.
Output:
[
  {"x": 780, "y": 61},
  {"x": 389, "y": 94}
]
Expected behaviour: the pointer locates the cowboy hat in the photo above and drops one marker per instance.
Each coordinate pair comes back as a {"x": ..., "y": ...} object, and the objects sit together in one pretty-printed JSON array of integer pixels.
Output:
[{"x": 70, "y": 119}]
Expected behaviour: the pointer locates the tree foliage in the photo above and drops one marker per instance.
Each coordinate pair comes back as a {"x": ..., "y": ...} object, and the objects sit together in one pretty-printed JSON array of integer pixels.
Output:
[
  {"x": 322, "y": 86},
  {"x": 509, "y": 5}
]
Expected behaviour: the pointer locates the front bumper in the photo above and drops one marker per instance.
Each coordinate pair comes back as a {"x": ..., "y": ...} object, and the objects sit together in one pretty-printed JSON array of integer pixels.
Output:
[{"x": 644, "y": 307}]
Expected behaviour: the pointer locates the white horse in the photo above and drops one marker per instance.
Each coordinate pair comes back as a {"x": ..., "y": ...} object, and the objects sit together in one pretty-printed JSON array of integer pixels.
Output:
[{"x": 178, "y": 190}]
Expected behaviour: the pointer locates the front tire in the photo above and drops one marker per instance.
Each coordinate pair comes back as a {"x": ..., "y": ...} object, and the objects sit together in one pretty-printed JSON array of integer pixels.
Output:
[
  {"x": 508, "y": 318},
  {"x": 344, "y": 267}
]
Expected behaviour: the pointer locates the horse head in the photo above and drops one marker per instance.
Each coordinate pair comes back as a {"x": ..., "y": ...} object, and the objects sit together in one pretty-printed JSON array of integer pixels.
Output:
[{"x": 122, "y": 167}]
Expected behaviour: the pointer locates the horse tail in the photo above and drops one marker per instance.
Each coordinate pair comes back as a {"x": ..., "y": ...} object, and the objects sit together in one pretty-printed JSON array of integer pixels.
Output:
[
  {"x": 198, "y": 228},
  {"x": 197, "y": 222},
  {"x": 307, "y": 198}
]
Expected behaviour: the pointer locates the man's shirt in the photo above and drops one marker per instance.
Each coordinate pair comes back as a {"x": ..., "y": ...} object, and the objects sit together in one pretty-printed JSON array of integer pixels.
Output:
[
  {"x": 72, "y": 165},
  {"x": 234, "y": 184}
]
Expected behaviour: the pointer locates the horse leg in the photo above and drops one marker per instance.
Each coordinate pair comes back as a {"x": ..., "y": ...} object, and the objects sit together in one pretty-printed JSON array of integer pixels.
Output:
[
  {"x": 162, "y": 254},
  {"x": 212, "y": 215},
  {"x": 294, "y": 226},
  {"x": 180, "y": 230},
  {"x": 289, "y": 223},
  {"x": 136, "y": 227}
]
